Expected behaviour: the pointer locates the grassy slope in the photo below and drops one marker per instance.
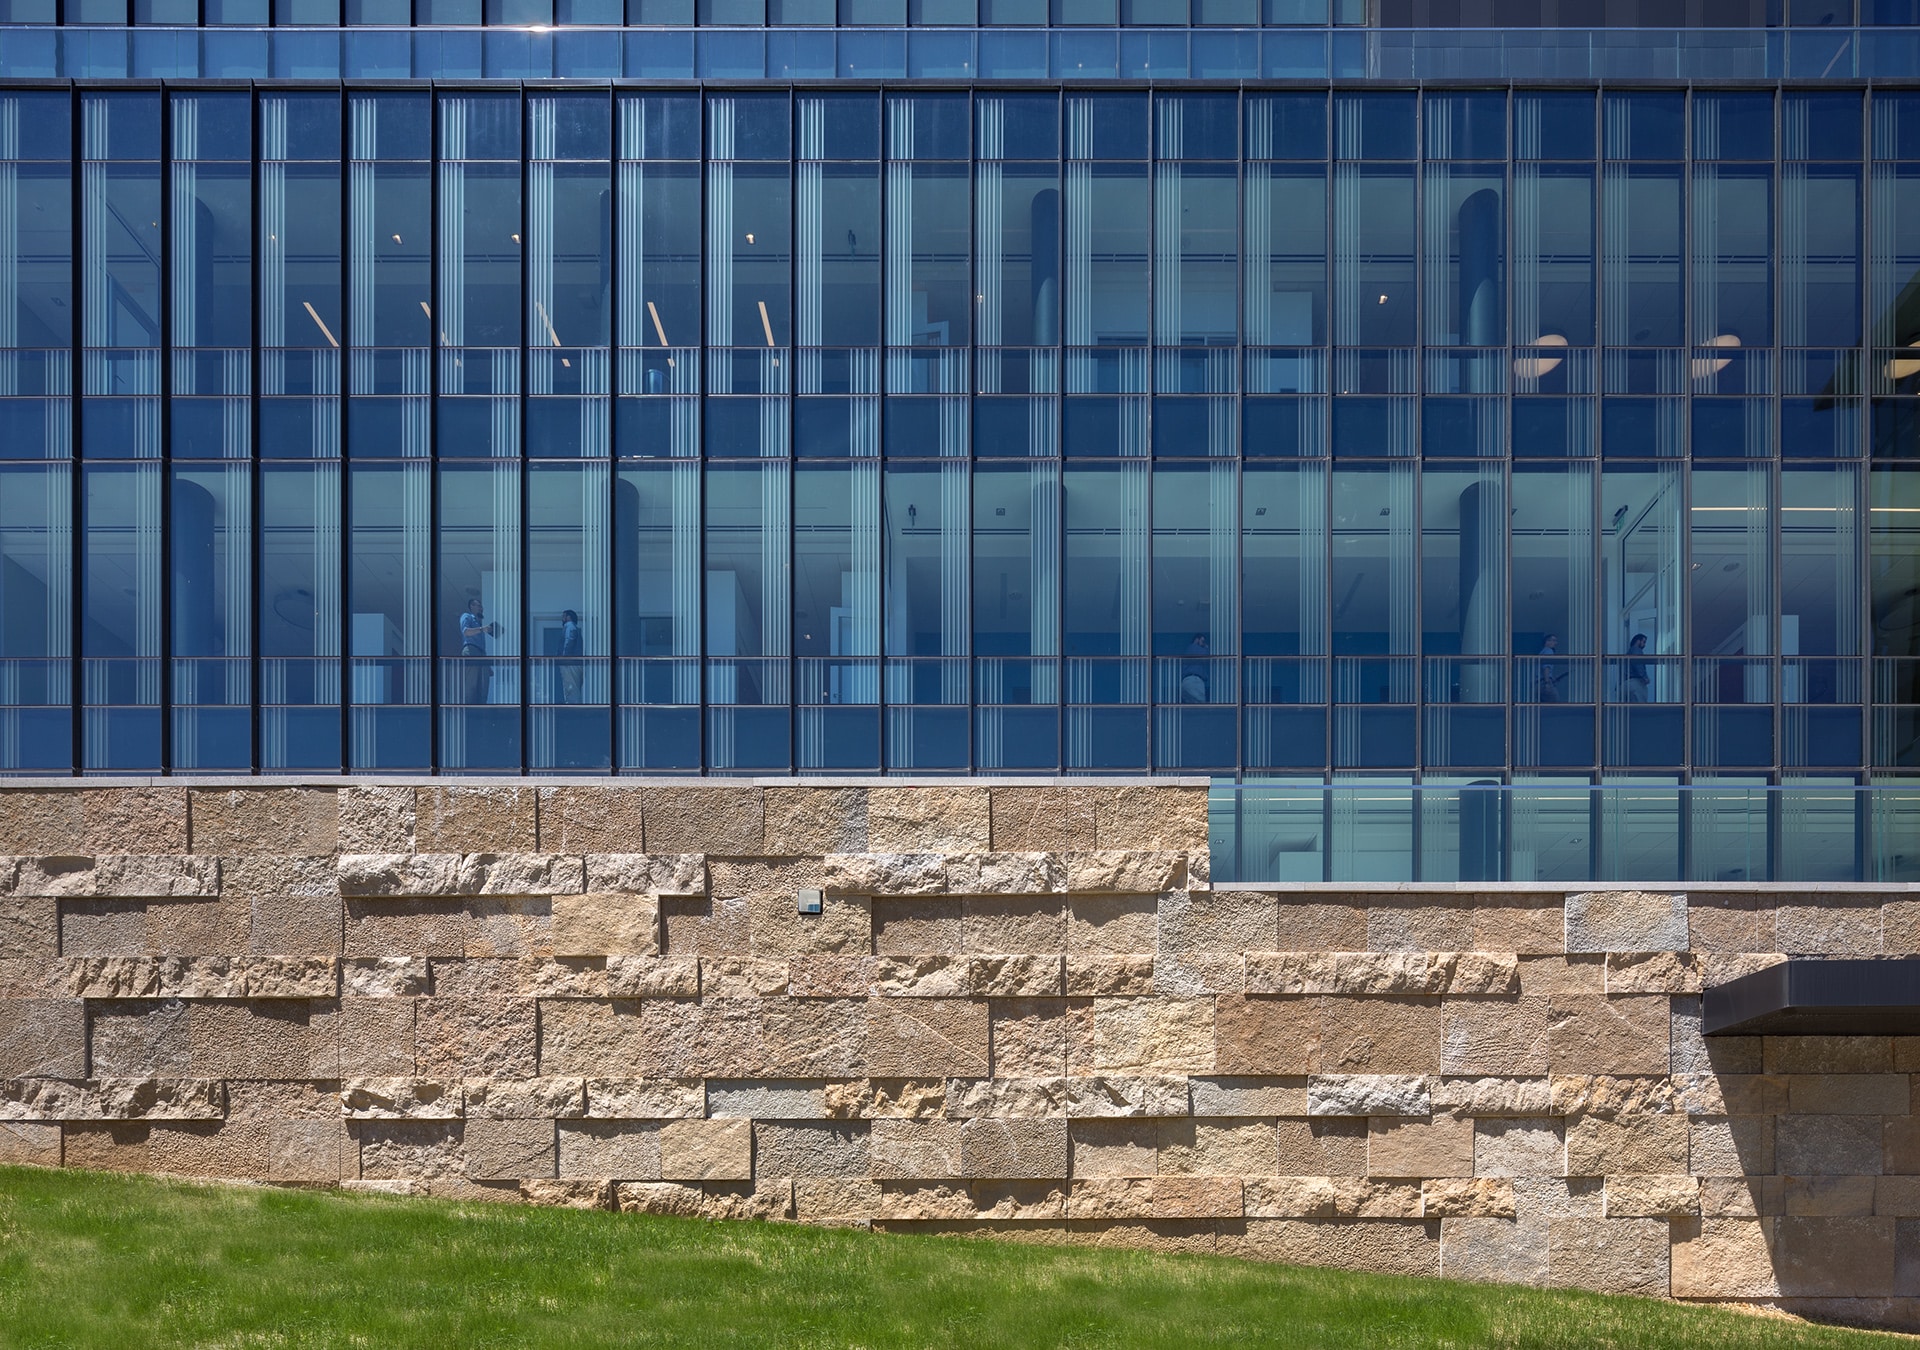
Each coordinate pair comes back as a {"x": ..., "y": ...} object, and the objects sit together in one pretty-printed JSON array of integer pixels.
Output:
[{"x": 87, "y": 1259}]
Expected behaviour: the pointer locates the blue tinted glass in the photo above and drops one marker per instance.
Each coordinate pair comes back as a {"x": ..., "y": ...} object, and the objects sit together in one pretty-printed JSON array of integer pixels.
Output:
[
  {"x": 1452, "y": 428},
  {"x": 1820, "y": 126},
  {"x": 401, "y": 125},
  {"x": 912, "y": 427},
  {"x": 1091, "y": 426},
  {"x": 1118, "y": 124},
  {"x": 1466, "y": 126},
  {"x": 1365, "y": 427},
  {"x": 1819, "y": 428},
  {"x": 1733, "y": 126},
  {"x": 1003, "y": 427},
  {"x": 759, "y": 127},
  {"x": 50, "y": 118},
  {"x": 1198, "y": 126},
  {"x": 1645, "y": 126},
  {"x": 660, "y": 126},
  {"x": 1282, "y": 427},
  {"x": 1032, "y": 126},
  {"x": 1374, "y": 126},
  {"x": 312, "y": 125},
  {"x": 212, "y": 126},
  {"x": 1633, "y": 427},
  {"x": 1287, "y": 126},
  {"x": 479, "y": 126},
  {"x": 928, "y": 126},
  {"x": 581, "y": 129},
  {"x": 1553, "y": 126},
  {"x": 1542, "y": 427},
  {"x": 131, "y": 121},
  {"x": 822, "y": 427},
  {"x": 849, "y": 126}
]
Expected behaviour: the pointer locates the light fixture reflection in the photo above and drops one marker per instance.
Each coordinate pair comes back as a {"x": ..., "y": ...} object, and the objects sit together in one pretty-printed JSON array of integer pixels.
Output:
[
  {"x": 766, "y": 324},
  {"x": 1704, "y": 366},
  {"x": 1904, "y": 367},
  {"x": 1540, "y": 363},
  {"x": 318, "y": 322},
  {"x": 658, "y": 331}
]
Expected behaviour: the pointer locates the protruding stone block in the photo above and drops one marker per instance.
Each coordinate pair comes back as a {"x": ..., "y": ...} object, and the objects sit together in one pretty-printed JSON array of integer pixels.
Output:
[
  {"x": 1368, "y": 1094},
  {"x": 399, "y": 1099},
  {"x": 29, "y": 1145},
  {"x": 1137, "y": 871},
  {"x": 648, "y": 873},
  {"x": 1652, "y": 1197},
  {"x": 1467, "y": 1198},
  {"x": 155, "y": 875}
]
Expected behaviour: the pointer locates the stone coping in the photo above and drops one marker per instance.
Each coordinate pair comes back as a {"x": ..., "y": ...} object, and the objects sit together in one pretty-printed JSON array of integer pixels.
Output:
[{"x": 261, "y": 781}]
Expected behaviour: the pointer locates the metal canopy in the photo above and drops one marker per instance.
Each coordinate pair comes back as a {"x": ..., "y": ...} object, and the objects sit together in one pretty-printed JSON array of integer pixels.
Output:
[{"x": 1819, "y": 998}]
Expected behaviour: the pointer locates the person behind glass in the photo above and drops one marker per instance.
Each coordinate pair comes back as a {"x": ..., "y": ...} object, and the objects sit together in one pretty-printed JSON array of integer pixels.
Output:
[
  {"x": 474, "y": 632},
  {"x": 1639, "y": 683},
  {"x": 572, "y": 669},
  {"x": 1193, "y": 671},
  {"x": 1550, "y": 675}
]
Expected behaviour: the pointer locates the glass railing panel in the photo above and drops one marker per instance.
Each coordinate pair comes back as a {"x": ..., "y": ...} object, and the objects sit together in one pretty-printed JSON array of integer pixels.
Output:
[
  {"x": 829, "y": 680},
  {"x": 1194, "y": 679}
]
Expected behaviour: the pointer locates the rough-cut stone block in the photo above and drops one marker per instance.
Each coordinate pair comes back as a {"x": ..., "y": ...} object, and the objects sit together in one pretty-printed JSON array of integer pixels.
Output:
[
  {"x": 1732, "y": 1146},
  {"x": 475, "y": 818},
  {"x": 887, "y": 873},
  {"x": 264, "y": 820},
  {"x": 509, "y": 1150},
  {"x": 43, "y": 1037},
  {"x": 802, "y": 820},
  {"x": 1616, "y": 1145},
  {"x": 1627, "y": 1035},
  {"x": 1828, "y": 1054},
  {"x": 376, "y": 819},
  {"x": 1822, "y": 1146},
  {"x": 1024, "y": 874},
  {"x": 1834, "y": 1257},
  {"x": 279, "y": 1039},
  {"x": 1467, "y": 1198},
  {"x": 294, "y": 924},
  {"x": 1053, "y": 818},
  {"x": 1109, "y": 976},
  {"x": 1652, "y": 1197},
  {"x": 919, "y": 1037},
  {"x": 1351, "y": 973},
  {"x": 1614, "y": 1256},
  {"x": 93, "y": 820},
  {"x": 1828, "y": 924},
  {"x": 1108, "y": 1198},
  {"x": 525, "y": 1098},
  {"x": 1494, "y": 1036},
  {"x": 1653, "y": 973},
  {"x": 1196, "y": 1198},
  {"x": 929, "y": 820},
  {"x": 1017, "y": 976},
  {"x": 399, "y": 874},
  {"x": 112, "y": 1099},
  {"x": 1149, "y": 817},
  {"x": 286, "y": 976},
  {"x": 600, "y": 818},
  {"x": 1873, "y": 1094},
  {"x": 1011, "y": 1098},
  {"x": 1493, "y": 1096},
  {"x": 647, "y": 873},
  {"x": 902, "y": 1098},
  {"x": 1137, "y": 871},
  {"x": 29, "y": 927},
  {"x": 567, "y": 1193},
  {"x": 1492, "y": 1251},
  {"x": 106, "y": 976},
  {"x": 704, "y": 820},
  {"x": 916, "y": 1148},
  {"x": 1014, "y": 1148},
  {"x": 1111, "y": 925},
  {"x": 1387, "y": 1248},
  {"x": 132, "y": 1039},
  {"x": 594, "y": 1038},
  {"x": 1322, "y": 1147},
  {"x": 616, "y": 1150},
  {"x": 399, "y": 1099},
  {"x": 924, "y": 1200},
  {"x": 1723, "y": 1258},
  {"x": 809, "y": 1149},
  {"x": 1219, "y": 921},
  {"x": 420, "y": 927},
  {"x": 384, "y": 976},
  {"x": 1368, "y": 1094},
  {"x": 1418, "y": 923},
  {"x": 706, "y": 1150},
  {"x": 645, "y": 1098},
  {"x": 1525, "y": 924},
  {"x": 1223, "y": 1148},
  {"x": 1029, "y": 1036},
  {"x": 652, "y": 977},
  {"x": 1096, "y": 1095},
  {"x": 155, "y": 875},
  {"x": 1198, "y": 974},
  {"x": 1387, "y": 1034},
  {"x": 1603, "y": 1094},
  {"x": 44, "y": 877},
  {"x": 1440, "y": 1147},
  {"x": 1830, "y": 1197},
  {"x": 836, "y": 1201},
  {"x": 1307, "y": 925},
  {"x": 1519, "y": 1147},
  {"x": 924, "y": 976},
  {"x": 1248, "y": 1096},
  {"x": 29, "y": 1145},
  {"x": 1266, "y": 1036},
  {"x": 1144, "y": 1035},
  {"x": 1626, "y": 921}
]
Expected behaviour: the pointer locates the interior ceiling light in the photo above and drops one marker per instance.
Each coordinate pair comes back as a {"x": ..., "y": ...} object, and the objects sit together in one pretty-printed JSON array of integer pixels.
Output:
[
  {"x": 1545, "y": 359},
  {"x": 319, "y": 322},
  {"x": 1704, "y": 366},
  {"x": 1905, "y": 367},
  {"x": 658, "y": 331},
  {"x": 766, "y": 324}
]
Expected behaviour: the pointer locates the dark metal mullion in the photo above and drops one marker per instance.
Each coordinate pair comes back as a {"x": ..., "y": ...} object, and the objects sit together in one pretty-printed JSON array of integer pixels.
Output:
[
  {"x": 342, "y": 396},
  {"x": 1421, "y": 263},
  {"x": 433, "y": 429},
  {"x": 611, "y": 400},
  {"x": 793, "y": 478},
  {"x": 702, "y": 366},
  {"x": 257, "y": 476},
  {"x": 164, "y": 168},
  {"x": 77, "y": 466},
  {"x": 525, "y": 617}
]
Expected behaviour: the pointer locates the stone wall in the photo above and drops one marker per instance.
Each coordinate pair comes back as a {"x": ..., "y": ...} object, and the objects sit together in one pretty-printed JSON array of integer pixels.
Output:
[{"x": 1022, "y": 1012}]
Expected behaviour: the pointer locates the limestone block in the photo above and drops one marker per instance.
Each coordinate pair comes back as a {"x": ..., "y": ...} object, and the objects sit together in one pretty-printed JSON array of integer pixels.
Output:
[
  {"x": 1006, "y": 1149},
  {"x": 992, "y": 874},
  {"x": 1289, "y": 1197},
  {"x": 1897, "y": 1196},
  {"x": 1724, "y": 1258},
  {"x": 1017, "y": 976},
  {"x": 802, "y": 820},
  {"x": 112, "y": 1099},
  {"x": 903, "y": 1098},
  {"x": 1114, "y": 1148},
  {"x": 1322, "y": 1147},
  {"x": 1717, "y": 968},
  {"x": 766, "y": 1098},
  {"x": 645, "y": 1098},
  {"x": 29, "y": 1145},
  {"x": 1198, "y": 974},
  {"x": 294, "y": 924},
  {"x": 376, "y": 819},
  {"x": 1828, "y": 925},
  {"x": 1266, "y": 1036},
  {"x": 1828, "y": 1054},
  {"x": 1554, "y": 976},
  {"x": 285, "y": 976},
  {"x": 1506, "y": 1036},
  {"x": 916, "y": 926},
  {"x": 1024, "y": 1200},
  {"x": 1626, "y": 1035},
  {"x": 399, "y": 1099},
  {"x": 1830, "y": 1197},
  {"x": 416, "y": 927},
  {"x": 1351, "y": 973},
  {"x": 647, "y": 873},
  {"x": 479, "y": 1037},
  {"x": 730, "y": 977},
  {"x": 1054, "y": 818},
  {"x": 589, "y": 819},
  {"x": 706, "y": 1150},
  {"x": 1439, "y": 1147},
  {"x": 1626, "y": 921},
  {"x": 923, "y": 976},
  {"x": 1109, "y": 976},
  {"x": 1604, "y": 1094},
  {"x": 616, "y": 1150},
  {"x": 476, "y": 819},
  {"x": 831, "y": 976},
  {"x": 1492, "y": 1096},
  {"x": 375, "y": 1037},
  {"x": 1321, "y": 926},
  {"x": 922, "y": 1200},
  {"x": 1105, "y": 1198},
  {"x": 1386, "y": 1034},
  {"x": 1653, "y": 973},
  {"x": 1138, "y": 871},
  {"x": 1877, "y": 1094},
  {"x": 155, "y": 875},
  {"x": 818, "y": 1038},
  {"x": 200, "y": 977},
  {"x": 652, "y": 977},
  {"x": 1009, "y": 1098},
  {"x": 778, "y": 931},
  {"x": 1834, "y": 1257},
  {"x": 29, "y": 927},
  {"x": 1738, "y": 1094},
  {"x": 1196, "y": 1198},
  {"x": 264, "y": 820},
  {"x": 1613, "y": 1256},
  {"x": 1742, "y": 1197},
  {"x": 1419, "y": 923},
  {"x": 1219, "y": 921},
  {"x": 93, "y": 820},
  {"x": 509, "y": 1150},
  {"x": 1149, "y": 817},
  {"x": 887, "y": 873},
  {"x": 399, "y": 874},
  {"x": 106, "y": 976},
  {"x": 811, "y": 1149},
  {"x": 1110, "y": 1095},
  {"x": 837, "y": 1201},
  {"x": 43, "y": 1037},
  {"x": 1467, "y": 1198},
  {"x": 1029, "y": 1035},
  {"x": 521, "y": 874},
  {"x": 765, "y": 878},
  {"x": 384, "y": 976},
  {"x": 1492, "y": 1251},
  {"x": 704, "y": 820},
  {"x": 1248, "y": 1096},
  {"x": 1112, "y": 925},
  {"x": 525, "y": 1098},
  {"x": 1368, "y": 1094},
  {"x": 1386, "y": 1247},
  {"x": 1217, "y": 1148},
  {"x": 44, "y": 877},
  {"x": 1519, "y": 1147},
  {"x": 593, "y": 1038},
  {"x": 1653, "y": 1145},
  {"x": 1821, "y": 1146},
  {"x": 1144, "y": 1035},
  {"x": 921, "y": 1037},
  {"x": 567, "y": 1193},
  {"x": 1538, "y": 1199},
  {"x": 1652, "y": 1197},
  {"x": 916, "y": 1148},
  {"x": 507, "y": 927},
  {"x": 929, "y": 820},
  {"x": 1527, "y": 924},
  {"x": 277, "y": 1039}
]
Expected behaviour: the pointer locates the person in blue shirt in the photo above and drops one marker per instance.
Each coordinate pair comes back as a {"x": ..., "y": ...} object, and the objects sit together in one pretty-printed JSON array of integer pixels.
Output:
[
  {"x": 572, "y": 669},
  {"x": 1550, "y": 676},
  {"x": 477, "y": 678},
  {"x": 1193, "y": 671}
]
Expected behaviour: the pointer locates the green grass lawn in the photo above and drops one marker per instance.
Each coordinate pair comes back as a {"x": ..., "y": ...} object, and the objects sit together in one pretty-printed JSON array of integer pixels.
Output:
[{"x": 89, "y": 1259}]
